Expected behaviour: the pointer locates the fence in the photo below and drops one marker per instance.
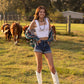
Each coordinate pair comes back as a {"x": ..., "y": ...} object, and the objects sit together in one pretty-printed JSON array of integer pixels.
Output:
[
  {"x": 17, "y": 18},
  {"x": 63, "y": 22}
]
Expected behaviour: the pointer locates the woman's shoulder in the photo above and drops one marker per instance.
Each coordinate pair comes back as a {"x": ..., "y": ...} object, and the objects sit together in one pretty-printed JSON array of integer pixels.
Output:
[
  {"x": 47, "y": 19},
  {"x": 33, "y": 24}
]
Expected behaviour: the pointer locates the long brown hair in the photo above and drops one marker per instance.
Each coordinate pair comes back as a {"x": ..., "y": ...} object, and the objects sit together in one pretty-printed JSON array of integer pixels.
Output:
[{"x": 36, "y": 17}]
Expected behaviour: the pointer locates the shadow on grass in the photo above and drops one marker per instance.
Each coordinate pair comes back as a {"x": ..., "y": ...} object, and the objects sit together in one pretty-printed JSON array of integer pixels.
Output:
[
  {"x": 5, "y": 75},
  {"x": 22, "y": 40},
  {"x": 70, "y": 34},
  {"x": 65, "y": 45},
  {"x": 68, "y": 45},
  {"x": 2, "y": 39},
  {"x": 29, "y": 72},
  {"x": 70, "y": 71}
]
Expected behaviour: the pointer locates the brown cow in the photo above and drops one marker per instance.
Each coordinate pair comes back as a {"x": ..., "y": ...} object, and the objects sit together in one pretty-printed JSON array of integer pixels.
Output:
[
  {"x": 54, "y": 32},
  {"x": 5, "y": 28},
  {"x": 25, "y": 28},
  {"x": 16, "y": 31}
]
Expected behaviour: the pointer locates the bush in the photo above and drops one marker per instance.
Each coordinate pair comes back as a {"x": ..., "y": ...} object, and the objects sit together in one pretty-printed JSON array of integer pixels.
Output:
[
  {"x": 30, "y": 15},
  {"x": 57, "y": 17}
]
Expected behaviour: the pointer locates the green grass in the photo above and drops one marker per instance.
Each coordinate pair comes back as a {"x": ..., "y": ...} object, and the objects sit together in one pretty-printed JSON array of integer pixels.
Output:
[{"x": 18, "y": 63}]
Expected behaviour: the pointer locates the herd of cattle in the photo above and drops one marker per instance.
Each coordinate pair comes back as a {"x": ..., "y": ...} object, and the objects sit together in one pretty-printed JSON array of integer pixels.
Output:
[{"x": 15, "y": 30}]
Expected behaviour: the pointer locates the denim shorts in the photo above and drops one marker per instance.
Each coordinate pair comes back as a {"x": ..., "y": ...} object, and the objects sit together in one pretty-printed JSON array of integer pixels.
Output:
[{"x": 42, "y": 47}]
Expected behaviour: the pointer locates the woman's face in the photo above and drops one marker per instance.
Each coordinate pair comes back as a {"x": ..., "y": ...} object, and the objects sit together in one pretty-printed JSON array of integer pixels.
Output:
[{"x": 42, "y": 13}]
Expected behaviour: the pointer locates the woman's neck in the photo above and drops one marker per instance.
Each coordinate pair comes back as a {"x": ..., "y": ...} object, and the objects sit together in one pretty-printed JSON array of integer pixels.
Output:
[{"x": 41, "y": 19}]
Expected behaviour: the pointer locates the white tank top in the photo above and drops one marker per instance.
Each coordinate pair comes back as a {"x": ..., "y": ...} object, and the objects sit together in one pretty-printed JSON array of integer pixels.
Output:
[{"x": 42, "y": 30}]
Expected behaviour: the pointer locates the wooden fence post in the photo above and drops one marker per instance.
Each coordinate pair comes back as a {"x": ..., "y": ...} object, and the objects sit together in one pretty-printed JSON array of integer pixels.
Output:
[
  {"x": 69, "y": 24},
  {"x": 4, "y": 18},
  {"x": 19, "y": 18},
  {"x": 0, "y": 20}
]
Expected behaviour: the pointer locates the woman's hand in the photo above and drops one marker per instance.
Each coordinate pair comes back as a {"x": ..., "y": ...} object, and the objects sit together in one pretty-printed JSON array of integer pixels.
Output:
[
  {"x": 39, "y": 41},
  {"x": 48, "y": 43}
]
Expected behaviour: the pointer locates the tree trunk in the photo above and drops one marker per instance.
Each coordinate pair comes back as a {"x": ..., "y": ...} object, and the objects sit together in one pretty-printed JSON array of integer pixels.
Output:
[{"x": 4, "y": 16}]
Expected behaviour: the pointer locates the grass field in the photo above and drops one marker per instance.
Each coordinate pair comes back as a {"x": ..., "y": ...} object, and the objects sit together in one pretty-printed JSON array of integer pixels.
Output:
[{"x": 18, "y": 64}]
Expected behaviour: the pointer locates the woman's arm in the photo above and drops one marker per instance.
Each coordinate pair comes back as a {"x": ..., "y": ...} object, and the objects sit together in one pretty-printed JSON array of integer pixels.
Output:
[
  {"x": 50, "y": 28},
  {"x": 32, "y": 25},
  {"x": 28, "y": 34}
]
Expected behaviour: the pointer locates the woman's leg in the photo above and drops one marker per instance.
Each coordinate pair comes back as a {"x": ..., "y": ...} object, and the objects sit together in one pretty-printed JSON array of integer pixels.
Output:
[
  {"x": 50, "y": 62},
  {"x": 39, "y": 66},
  {"x": 52, "y": 68},
  {"x": 38, "y": 56}
]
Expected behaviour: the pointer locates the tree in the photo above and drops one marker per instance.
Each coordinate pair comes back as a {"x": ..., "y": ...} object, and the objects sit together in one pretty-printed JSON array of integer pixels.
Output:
[
  {"x": 57, "y": 4},
  {"x": 56, "y": 16},
  {"x": 73, "y": 5},
  {"x": 4, "y": 5}
]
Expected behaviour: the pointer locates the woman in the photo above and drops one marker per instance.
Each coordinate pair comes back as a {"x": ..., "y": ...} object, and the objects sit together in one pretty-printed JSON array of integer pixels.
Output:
[{"x": 41, "y": 27}]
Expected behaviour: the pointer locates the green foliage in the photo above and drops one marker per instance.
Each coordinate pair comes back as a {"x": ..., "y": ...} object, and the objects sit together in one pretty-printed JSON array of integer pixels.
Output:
[
  {"x": 82, "y": 7},
  {"x": 56, "y": 16},
  {"x": 4, "y": 4},
  {"x": 57, "y": 5},
  {"x": 36, "y": 3},
  {"x": 25, "y": 7},
  {"x": 30, "y": 15}
]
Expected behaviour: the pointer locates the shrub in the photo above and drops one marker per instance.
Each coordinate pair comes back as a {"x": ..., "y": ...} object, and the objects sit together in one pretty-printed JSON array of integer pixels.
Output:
[{"x": 57, "y": 17}]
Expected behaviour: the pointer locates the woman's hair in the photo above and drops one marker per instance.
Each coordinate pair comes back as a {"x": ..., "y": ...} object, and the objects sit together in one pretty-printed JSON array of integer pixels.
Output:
[{"x": 36, "y": 16}]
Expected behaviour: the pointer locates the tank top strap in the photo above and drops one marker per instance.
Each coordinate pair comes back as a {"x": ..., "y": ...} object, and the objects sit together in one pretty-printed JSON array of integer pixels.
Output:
[
  {"x": 37, "y": 23},
  {"x": 47, "y": 20}
]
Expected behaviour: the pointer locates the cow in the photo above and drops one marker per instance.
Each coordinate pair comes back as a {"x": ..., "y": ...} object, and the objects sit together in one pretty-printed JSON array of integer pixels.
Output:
[
  {"x": 25, "y": 28},
  {"x": 16, "y": 31},
  {"x": 54, "y": 32},
  {"x": 5, "y": 28}
]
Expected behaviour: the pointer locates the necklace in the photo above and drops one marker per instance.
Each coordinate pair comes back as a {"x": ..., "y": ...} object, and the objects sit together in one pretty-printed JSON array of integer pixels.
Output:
[
  {"x": 42, "y": 29},
  {"x": 41, "y": 21}
]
